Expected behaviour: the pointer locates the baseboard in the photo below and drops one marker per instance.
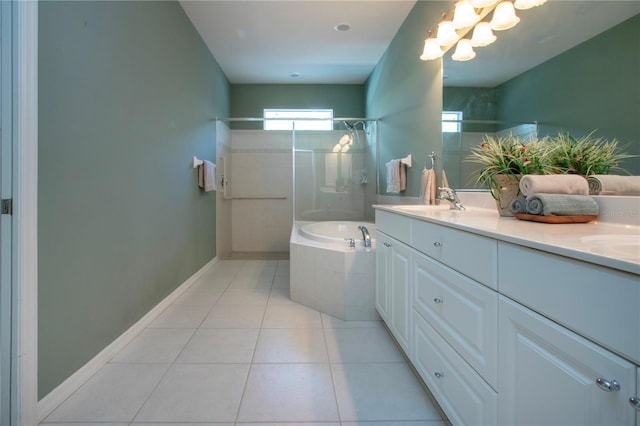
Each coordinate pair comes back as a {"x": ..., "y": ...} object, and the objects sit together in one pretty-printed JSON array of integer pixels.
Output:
[{"x": 54, "y": 398}]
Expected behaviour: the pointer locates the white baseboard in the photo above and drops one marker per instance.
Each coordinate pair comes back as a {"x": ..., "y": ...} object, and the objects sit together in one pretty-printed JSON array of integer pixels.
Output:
[{"x": 54, "y": 398}]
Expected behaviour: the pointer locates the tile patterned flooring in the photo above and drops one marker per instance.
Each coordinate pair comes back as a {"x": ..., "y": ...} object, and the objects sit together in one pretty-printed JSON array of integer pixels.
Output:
[{"x": 233, "y": 349}]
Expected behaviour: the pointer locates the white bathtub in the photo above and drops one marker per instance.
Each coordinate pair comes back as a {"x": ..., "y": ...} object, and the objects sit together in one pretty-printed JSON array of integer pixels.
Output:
[{"x": 330, "y": 276}]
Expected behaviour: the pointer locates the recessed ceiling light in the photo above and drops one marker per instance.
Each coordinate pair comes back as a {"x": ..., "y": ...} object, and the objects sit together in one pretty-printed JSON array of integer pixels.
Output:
[
  {"x": 342, "y": 27},
  {"x": 294, "y": 74}
]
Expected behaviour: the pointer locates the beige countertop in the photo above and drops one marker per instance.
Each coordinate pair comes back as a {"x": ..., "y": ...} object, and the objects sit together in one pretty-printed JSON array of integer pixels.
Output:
[{"x": 608, "y": 244}]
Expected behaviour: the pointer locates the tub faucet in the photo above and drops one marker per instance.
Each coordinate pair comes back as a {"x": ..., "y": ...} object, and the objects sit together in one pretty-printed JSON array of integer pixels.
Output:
[
  {"x": 365, "y": 235},
  {"x": 451, "y": 196}
]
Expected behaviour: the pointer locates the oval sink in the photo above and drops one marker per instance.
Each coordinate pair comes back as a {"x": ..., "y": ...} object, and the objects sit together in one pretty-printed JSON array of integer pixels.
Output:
[{"x": 623, "y": 246}]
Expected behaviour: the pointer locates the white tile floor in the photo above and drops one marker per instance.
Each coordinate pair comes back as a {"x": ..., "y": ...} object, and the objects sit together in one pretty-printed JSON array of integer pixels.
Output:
[{"x": 233, "y": 349}]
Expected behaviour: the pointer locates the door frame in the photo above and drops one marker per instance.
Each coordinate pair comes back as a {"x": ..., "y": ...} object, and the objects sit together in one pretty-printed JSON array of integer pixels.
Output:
[{"x": 25, "y": 213}]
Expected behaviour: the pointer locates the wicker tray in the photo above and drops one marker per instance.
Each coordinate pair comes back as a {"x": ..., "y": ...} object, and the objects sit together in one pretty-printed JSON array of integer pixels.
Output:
[{"x": 555, "y": 219}]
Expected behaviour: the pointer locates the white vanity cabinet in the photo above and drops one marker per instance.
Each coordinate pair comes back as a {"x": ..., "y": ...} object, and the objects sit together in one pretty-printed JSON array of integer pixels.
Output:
[
  {"x": 549, "y": 375},
  {"x": 393, "y": 297},
  {"x": 506, "y": 334}
]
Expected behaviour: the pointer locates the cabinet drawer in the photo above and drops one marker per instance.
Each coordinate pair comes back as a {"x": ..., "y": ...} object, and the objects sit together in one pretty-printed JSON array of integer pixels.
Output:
[
  {"x": 473, "y": 255},
  {"x": 395, "y": 225},
  {"x": 596, "y": 302},
  {"x": 464, "y": 312},
  {"x": 465, "y": 398},
  {"x": 548, "y": 375}
]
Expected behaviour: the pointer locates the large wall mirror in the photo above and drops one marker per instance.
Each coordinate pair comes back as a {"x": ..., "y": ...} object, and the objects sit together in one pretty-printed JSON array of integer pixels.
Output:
[{"x": 570, "y": 66}]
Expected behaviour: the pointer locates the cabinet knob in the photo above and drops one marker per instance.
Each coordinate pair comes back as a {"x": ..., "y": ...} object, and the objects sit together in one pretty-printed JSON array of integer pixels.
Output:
[
  {"x": 437, "y": 244},
  {"x": 438, "y": 375},
  {"x": 387, "y": 244},
  {"x": 635, "y": 403},
  {"x": 608, "y": 385},
  {"x": 438, "y": 300}
]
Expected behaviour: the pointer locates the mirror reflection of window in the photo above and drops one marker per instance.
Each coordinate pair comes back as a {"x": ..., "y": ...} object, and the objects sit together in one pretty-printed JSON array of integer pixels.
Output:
[
  {"x": 304, "y": 119},
  {"x": 451, "y": 121}
]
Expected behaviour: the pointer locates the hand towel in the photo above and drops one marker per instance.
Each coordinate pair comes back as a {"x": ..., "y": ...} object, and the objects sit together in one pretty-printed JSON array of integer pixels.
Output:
[
  {"x": 614, "y": 185},
  {"x": 428, "y": 189},
  {"x": 403, "y": 177},
  {"x": 561, "y": 205},
  {"x": 519, "y": 204},
  {"x": 207, "y": 176},
  {"x": 393, "y": 176},
  {"x": 553, "y": 184}
]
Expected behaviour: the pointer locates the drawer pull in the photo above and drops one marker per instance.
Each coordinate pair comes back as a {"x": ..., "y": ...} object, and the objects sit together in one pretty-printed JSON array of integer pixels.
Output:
[
  {"x": 438, "y": 375},
  {"x": 608, "y": 385},
  {"x": 635, "y": 403},
  {"x": 438, "y": 300},
  {"x": 387, "y": 244},
  {"x": 437, "y": 244}
]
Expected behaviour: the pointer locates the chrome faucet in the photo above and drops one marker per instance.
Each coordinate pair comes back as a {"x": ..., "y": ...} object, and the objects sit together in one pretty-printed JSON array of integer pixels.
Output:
[
  {"x": 365, "y": 235},
  {"x": 451, "y": 196}
]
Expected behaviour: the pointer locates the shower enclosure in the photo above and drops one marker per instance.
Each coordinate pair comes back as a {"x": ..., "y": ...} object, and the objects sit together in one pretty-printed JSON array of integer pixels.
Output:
[
  {"x": 334, "y": 174},
  {"x": 269, "y": 179}
]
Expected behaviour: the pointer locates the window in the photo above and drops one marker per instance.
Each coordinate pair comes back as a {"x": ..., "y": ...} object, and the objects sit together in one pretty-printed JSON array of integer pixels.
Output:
[
  {"x": 284, "y": 119},
  {"x": 451, "y": 121}
]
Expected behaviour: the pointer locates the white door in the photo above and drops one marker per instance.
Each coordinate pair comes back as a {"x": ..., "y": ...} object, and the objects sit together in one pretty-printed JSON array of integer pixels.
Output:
[{"x": 6, "y": 321}]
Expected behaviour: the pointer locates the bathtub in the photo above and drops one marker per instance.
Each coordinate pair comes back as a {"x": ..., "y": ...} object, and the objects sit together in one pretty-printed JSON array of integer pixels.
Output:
[{"x": 328, "y": 275}]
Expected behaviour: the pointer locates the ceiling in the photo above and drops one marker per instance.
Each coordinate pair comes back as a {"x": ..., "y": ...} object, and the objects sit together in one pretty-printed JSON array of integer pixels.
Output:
[{"x": 265, "y": 41}]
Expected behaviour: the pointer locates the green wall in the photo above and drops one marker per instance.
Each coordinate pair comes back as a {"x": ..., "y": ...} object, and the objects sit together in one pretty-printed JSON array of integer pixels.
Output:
[
  {"x": 406, "y": 94},
  {"x": 250, "y": 100},
  {"x": 595, "y": 85},
  {"x": 128, "y": 93}
]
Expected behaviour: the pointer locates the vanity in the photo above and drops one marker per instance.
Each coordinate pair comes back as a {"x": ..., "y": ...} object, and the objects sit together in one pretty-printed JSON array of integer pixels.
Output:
[{"x": 510, "y": 322}]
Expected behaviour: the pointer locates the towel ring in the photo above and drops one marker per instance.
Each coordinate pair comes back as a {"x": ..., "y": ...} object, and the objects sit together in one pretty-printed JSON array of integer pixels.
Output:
[{"x": 431, "y": 157}]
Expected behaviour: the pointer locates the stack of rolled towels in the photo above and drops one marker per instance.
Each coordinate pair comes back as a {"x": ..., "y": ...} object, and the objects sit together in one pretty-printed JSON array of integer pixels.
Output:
[{"x": 554, "y": 195}]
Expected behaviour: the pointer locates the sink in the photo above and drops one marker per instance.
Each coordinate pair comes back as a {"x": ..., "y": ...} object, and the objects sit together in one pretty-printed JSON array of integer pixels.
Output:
[
  {"x": 622, "y": 246},
  {"x": 420, "y": 208}
]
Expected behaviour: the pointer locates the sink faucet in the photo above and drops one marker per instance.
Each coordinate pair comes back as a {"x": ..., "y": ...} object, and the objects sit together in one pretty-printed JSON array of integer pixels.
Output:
[
  {"x": 451, "y": 196},
  {"x": 365, "y": 235}
]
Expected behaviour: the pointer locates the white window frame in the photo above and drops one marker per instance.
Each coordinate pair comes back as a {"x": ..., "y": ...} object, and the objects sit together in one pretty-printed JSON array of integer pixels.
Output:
[
  {"x": 451, "y": 121},
  {"x": 284, "y": 119}
]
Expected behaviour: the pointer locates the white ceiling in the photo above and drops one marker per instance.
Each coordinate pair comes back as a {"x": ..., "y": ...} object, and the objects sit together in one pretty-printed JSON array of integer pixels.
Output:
[{"x": 264, "y": 41}]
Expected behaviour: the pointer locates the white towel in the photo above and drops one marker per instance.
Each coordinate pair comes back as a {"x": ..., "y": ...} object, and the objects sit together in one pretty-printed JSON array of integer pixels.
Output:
[
  {"x": 207, "y": 176},
  {"x": 614, "y": 185},
  {"x": 554, "y": 184},
  {"x": 393, "y": 176},
  {"x": 428, "y": 190}
]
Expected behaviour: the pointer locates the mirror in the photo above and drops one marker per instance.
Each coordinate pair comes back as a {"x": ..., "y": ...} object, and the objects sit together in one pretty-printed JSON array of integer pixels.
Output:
[{"x": 570, "y": 66}]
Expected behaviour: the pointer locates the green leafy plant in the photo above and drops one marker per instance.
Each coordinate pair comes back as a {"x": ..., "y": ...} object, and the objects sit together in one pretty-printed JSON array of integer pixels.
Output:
[
  {"x": 586, "y": 155},
  {"x": 509, "y": 155}
]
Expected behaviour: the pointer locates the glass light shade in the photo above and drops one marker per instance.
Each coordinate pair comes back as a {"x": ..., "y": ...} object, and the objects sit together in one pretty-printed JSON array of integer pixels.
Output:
[
  {"x": 346, "y": 139},
  {"x": 464, "y": 51},
  {"x": 528, "y": 4},
  {"x": 464, "y": 15},
  {"x": 337, "y": 148},
  {"x": 482, "y": 35},
  {"x": 479, "y": 4},
  {"x": 446, "y": 33},
  {"x": 504, "y": 17},
  {"x": 345, "y": 148},
  {"x": 431, "y": 50}
]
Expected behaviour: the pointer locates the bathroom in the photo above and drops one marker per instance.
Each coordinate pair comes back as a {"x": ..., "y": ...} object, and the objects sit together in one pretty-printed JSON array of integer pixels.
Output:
[{"x": 124, "y": 104}]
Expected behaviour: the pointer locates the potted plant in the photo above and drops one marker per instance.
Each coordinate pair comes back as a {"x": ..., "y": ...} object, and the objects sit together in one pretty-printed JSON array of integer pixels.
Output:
[
  {"x": 586, "y": 155},
  {"x": 503, "y": 160}
]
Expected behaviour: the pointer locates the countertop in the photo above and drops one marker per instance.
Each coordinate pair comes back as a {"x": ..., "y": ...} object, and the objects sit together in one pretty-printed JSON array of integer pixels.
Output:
[{"x": 612, "y": 245}]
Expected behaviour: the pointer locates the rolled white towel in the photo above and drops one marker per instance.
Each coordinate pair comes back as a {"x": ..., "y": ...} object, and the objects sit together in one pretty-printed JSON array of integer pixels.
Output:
[
  {"x": 614, "y": 184},
  {"x": 553, "y": 184}
]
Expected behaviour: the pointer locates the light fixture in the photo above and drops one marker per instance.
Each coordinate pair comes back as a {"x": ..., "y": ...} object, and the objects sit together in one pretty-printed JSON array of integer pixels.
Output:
[
  {"x": 528, "y": 4},
  {"x": 346, "y": 139},
  {"x": 431, "y": 50},
  {"x": 336, "y": 148},
  {"x": 446, "y": 33},
  {"x": 504, "y": 16},
  {"x": 465, "y": 15},
  {"x": 464, "y": 51},
  {"x": 482, "y": 35},
  {"x": 479, "y": 4},
  {"x": 471, "y": 15},
  {"x": 342, "y": 27}
]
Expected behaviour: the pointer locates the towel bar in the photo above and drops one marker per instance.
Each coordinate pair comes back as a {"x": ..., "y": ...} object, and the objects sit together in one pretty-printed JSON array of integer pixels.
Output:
[{"x": 197, "y": 162}]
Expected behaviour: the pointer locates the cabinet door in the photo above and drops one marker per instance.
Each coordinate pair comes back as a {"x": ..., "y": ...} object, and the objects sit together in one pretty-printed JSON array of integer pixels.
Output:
[
  {"x": 383, "y": 256},
  {"x": 400, "y": 292},
  {"x": 634, "y": 403},
  {"x": 547, "y": 374}
]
